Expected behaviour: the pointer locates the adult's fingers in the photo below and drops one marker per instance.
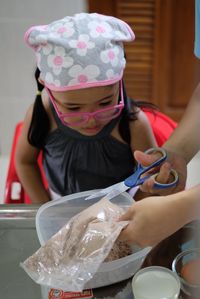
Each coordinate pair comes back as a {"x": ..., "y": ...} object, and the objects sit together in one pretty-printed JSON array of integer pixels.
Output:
[
  {"x": 146, "y": 159},
  {"x": 126, "y": 231},
  {"x": 126, "y": 216},
  {"x": 163, "y": 177}
]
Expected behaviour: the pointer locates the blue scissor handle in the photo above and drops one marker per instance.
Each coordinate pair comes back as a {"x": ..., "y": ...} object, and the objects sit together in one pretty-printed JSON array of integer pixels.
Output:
[
  {"x": 135, "y": 179},
  {"x": 158, "y": 185}
]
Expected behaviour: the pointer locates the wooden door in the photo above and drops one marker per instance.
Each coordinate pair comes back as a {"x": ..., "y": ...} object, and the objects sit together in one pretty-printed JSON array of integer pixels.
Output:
[{"x": 161, "y": 67}]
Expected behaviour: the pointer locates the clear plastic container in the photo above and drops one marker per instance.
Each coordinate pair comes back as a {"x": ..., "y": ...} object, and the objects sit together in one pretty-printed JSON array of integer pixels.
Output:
[
  {"x": 53, "y": 215},
  {"x": 186, "y": 266}
]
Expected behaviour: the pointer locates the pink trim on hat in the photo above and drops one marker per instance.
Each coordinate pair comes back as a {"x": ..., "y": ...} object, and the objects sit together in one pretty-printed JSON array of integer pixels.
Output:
[
  {"x": 129, "y": 29},
  {"x": 27, "y": 34},
  {"x": 84, "y": 85}
]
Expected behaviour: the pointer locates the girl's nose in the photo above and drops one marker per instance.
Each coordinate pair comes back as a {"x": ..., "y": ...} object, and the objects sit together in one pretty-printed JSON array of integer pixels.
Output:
[{"x": 92, "y": 120}]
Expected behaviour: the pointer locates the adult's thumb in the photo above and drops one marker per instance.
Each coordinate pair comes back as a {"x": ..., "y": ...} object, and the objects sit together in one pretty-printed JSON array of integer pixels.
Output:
[{"x": 145, "y": 159}]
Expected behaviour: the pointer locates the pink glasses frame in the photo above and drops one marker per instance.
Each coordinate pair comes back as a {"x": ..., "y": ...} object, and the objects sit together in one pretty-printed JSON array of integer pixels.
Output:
[{"x": 87, "y": 115}]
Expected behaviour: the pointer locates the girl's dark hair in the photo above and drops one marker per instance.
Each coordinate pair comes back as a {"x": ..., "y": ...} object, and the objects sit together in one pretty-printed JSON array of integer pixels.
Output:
[{"x": 39, "y": 125}]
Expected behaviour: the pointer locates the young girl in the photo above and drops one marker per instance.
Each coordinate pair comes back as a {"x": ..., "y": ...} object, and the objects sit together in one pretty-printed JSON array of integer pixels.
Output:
[{"x": 83, "y": 121}]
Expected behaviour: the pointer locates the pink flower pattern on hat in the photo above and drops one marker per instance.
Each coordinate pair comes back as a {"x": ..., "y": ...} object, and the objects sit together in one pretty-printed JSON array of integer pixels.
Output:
[
  {"x": 100, "y": 28},
  {"x": 59, "y": 60},
  {"x": 80, "y": 51},
  {"x": 64, "y": 29},
  {"x": 82, "y": 44},
  {"x": 83, "y": 75},
  {"x": 47, "y": 49},
  {"x": 110, "y": 56}
]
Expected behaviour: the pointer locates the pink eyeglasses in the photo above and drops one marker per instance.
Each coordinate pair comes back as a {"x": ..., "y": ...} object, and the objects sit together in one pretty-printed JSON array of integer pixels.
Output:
[{"x": 79, "y": 118}]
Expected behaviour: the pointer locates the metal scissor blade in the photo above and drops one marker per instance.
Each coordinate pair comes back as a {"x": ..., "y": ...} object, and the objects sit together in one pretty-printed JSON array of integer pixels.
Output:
[
  {"x": 105, "y": 191},
  {"x": 120, "y": 188},
  {"x": 102, "y": 192}
]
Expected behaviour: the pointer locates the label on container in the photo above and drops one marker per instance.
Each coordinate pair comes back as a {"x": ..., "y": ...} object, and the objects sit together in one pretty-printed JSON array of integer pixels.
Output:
[{"x": 59, "y": 294}]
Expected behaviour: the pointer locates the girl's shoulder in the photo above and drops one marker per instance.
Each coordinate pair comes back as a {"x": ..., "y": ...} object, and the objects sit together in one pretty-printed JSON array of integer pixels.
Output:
[
  {"x": 141, "y": 121},
  {"x": 141, "y": 134}
]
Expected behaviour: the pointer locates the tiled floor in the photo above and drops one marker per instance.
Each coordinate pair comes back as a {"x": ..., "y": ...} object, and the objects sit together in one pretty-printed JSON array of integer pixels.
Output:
[{"x": 193, "y": 173}]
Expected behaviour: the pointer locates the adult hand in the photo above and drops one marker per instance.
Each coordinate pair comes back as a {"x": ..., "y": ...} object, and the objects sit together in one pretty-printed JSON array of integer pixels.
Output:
[
  {"x": 152, "y": 220},
  {"x": 174, "y": 161}
]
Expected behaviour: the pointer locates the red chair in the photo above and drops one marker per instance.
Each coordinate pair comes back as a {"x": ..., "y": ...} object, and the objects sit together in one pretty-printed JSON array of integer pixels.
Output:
[
  {"x": 161, "y": 124},
  {"x": 14, "y": 192},
  {"x": 162, "y": 127}
]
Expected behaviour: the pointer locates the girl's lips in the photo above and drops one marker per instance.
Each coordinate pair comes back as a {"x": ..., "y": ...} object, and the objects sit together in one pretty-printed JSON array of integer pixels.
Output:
[{"x": 93, "y": 129}]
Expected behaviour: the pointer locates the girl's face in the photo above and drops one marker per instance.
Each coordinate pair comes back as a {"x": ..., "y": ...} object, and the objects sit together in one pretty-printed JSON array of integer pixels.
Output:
[{"x": 87, "y": 100}]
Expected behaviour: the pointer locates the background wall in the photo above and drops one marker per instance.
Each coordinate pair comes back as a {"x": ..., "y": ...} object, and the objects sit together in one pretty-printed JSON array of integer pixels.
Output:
[{"x": 17, "y": 63}]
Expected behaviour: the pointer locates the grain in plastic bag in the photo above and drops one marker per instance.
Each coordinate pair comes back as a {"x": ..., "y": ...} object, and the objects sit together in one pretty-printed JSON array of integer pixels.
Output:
[{"x": 73, "y": 255}]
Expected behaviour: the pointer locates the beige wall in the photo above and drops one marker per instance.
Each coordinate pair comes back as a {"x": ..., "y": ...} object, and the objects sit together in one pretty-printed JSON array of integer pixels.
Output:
[{"x": 17, "y": 64}]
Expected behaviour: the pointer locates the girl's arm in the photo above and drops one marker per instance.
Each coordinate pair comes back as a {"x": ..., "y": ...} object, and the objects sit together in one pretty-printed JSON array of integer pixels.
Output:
[
  {"x": 142, "y": 137},
  {"x": 27, "y": 167}
]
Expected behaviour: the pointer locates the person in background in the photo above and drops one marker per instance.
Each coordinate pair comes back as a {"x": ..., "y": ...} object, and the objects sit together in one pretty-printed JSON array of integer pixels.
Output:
[
  {"x": 152, "y": 219},
  {"x": 82, "y": 121}
]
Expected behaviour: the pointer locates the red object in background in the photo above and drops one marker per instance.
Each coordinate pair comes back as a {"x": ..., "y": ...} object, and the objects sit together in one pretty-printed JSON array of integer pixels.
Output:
[
  {"x": 162, "y": 127},
  {"x": 161, "y": 124},
  {"x": 14, "y": 192}
]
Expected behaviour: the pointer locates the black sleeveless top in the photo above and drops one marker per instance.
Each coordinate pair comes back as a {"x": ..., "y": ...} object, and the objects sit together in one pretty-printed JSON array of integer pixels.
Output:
[{"x": 74, "y": 162}]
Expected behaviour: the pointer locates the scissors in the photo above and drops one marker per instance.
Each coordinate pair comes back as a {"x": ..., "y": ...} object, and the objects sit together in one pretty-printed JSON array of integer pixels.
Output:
[{"x": 135, "y": 179}]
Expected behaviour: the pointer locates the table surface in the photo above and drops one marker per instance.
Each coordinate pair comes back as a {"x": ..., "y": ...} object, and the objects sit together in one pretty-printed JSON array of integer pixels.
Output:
[{"x": 19, "y": 240}]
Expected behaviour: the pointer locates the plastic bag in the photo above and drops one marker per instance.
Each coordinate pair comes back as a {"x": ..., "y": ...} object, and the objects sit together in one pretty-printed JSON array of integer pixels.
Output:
[{"x": 73, "y": 255}]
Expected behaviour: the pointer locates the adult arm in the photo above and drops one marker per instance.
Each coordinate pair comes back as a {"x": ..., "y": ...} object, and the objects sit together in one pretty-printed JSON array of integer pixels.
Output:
[
  {"x": 155, "y": 218},
  {"x": 185, "y": 140},
  {"x": 182, "y": 145}
]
